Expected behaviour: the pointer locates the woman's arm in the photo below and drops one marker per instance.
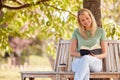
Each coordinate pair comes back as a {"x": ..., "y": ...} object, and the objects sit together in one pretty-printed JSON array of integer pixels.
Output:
[
  {"x": 73, "y": 47},
  {"x": 104, "y": 50}
]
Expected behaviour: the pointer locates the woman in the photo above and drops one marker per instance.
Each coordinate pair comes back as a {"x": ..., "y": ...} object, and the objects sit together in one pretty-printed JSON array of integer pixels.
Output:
[{"x": 87, "y": 36}]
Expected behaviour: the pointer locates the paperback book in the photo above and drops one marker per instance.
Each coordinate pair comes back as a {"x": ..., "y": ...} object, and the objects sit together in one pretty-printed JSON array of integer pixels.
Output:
[{"x": 96, "y": 49}]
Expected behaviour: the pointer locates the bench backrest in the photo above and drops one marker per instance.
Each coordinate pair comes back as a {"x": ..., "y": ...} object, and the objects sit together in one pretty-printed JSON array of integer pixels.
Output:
[
  {"x": 62, "y": 53},
  {"x": 110, "y": 64}
]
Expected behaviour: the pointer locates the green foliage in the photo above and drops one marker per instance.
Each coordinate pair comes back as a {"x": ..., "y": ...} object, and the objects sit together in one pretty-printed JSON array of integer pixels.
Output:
[
  {"x": 111, "y": 28},
  {"x": 47, "y": 21},
  {"x": 111, "y": 18}
]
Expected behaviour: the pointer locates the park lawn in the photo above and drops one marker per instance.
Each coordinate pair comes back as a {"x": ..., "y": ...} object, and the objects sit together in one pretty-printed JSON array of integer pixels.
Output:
[
  {"x": 37, "y": 63},
  {"x": 9, "y": 75}
]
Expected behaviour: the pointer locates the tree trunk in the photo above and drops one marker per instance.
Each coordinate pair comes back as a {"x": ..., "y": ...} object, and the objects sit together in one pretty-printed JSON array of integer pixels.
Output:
[
  {"x": 95, "y": 7},
  {"x": 15, "y": 59},
  {"x": 0, "y": 5}
]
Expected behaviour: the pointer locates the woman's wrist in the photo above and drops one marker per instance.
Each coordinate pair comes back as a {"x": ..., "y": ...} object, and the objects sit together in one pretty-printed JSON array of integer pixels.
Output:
[{"x": 76, "y": 54}]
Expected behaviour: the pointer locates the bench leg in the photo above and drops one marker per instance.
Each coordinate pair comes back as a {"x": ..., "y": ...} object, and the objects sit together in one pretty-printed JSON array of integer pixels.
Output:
[
  {"x": 107, "y": 79},
  {"x": 31, "y": 78},
  {"x": 96, "y": 79},
  {"x": 23, "y": 78},
  {"x": 71, "y": 79}
]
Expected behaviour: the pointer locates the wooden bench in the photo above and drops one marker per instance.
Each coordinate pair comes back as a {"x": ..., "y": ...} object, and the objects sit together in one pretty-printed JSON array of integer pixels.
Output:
[
  {"x": 111, "y": 64},
  {"x": 62, "y": 66}
]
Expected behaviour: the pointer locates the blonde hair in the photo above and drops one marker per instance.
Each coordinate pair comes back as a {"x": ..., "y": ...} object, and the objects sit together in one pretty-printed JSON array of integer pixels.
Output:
[{"x": 82, "y": 29}]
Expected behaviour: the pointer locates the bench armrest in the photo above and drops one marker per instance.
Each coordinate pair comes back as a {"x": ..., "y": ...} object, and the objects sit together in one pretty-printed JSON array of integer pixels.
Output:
[{"x": 62, "y": 67}]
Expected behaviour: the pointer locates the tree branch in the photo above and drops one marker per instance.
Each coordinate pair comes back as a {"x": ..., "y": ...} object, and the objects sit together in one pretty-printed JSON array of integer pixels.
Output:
[
  {"x": 28, "y": 5},
  {"x": 19, "y": 7},
  {"x": 59, "y": 9},
  {"x": 0, "y": 4},
  {"x": 22, "y": 6},
  {"x": 19, "y": 2}
]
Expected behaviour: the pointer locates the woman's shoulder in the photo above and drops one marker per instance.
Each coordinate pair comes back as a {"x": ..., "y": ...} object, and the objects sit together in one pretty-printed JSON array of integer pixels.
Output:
[
  {"x": 76, "y": 30},
  {"x": 100, "y": 29}
]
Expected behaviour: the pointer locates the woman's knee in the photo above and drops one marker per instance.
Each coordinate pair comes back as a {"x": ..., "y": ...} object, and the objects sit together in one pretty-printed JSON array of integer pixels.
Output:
[
  {"x": 96, "y": 65},
  {"x": 86, "y": 58}
]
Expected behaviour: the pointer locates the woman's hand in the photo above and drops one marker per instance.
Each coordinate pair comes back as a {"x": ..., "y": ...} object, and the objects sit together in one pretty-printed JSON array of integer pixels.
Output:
[
  {"x": 92, "y": 54},
  {"x": 73, "y": 49}
]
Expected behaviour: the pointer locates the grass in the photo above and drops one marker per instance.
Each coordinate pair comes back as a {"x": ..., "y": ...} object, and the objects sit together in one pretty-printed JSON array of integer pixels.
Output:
[
  {"x": 9, "y": 75},
  {"x": 37, "y": 63}
]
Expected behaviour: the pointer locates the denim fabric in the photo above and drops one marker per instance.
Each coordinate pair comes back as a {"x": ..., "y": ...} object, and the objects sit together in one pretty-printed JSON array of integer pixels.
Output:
[{"x": 84, "y": 65}]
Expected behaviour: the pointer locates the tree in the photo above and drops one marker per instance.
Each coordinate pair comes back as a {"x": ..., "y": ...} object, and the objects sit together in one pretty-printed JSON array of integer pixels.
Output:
[
  {"x": 45, "y": 20},
  {"x": 95, "y": 7},
  {"x": 111, "y": 22}
]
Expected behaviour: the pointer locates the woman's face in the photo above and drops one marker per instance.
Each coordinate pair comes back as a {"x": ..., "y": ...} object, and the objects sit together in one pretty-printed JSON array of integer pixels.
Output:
[{"x": 85, "y": 20}]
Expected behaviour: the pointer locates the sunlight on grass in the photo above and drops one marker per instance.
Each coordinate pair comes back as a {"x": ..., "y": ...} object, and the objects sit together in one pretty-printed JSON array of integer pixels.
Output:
[
  {"x": 37, "y": 60},
  {"x": 37, "y": 63},
  {"x": 9, "y": 75}
]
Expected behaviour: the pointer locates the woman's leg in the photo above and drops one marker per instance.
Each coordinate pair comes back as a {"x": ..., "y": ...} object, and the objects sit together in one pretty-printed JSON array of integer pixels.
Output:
[
  {"x": 87, "y": 76},
  {"x": 82, "y": 67},
  {"x": 96, "y": 65}
]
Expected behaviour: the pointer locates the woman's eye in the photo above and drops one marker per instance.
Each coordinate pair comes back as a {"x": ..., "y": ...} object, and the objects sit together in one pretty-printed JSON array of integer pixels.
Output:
[{"x": 82, "y": 20}]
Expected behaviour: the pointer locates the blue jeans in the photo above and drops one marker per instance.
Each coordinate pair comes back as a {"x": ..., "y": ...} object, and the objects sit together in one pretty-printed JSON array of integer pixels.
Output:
[{"x": 84, "y": 65}]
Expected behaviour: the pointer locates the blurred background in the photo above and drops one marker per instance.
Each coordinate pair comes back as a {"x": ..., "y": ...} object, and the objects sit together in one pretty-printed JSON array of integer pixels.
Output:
[{"x": 30, "y": 30}]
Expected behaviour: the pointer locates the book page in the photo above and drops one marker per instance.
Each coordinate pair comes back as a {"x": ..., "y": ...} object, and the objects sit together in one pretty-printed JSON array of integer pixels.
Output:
[
  {"x": 96, "y": 46},
  {"x": 85, "y": 47}
]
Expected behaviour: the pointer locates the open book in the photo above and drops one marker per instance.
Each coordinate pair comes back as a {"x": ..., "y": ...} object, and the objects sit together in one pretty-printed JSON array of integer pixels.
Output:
[{"x": 96, "y": 49}]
